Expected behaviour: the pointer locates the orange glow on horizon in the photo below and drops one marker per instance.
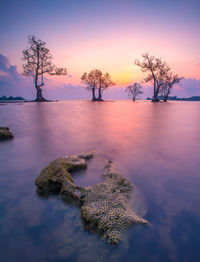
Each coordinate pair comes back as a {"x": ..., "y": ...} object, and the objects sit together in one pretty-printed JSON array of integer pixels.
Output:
[{"x": 115, "y": 52}]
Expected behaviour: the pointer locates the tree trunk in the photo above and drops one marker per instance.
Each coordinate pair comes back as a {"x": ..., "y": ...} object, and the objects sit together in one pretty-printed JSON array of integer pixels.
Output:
[
  {"x": 155, "y": 97},
  {"x": 156, "y": 91},
  {"x": 100, "y": 95},
  {"x": 93, "y": 95},
  {"x": 166, "y": 96},
  {"x": 39, "y": 97},
  {"x": 155, "y": 100}
]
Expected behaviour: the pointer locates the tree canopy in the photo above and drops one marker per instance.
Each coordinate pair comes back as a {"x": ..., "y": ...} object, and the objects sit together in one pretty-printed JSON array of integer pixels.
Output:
[
  {"x": 97, "y": 81},
  {"x": 134, "y": 90}
]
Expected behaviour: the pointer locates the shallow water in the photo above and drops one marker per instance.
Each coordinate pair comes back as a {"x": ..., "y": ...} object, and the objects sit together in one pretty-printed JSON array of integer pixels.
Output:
[{"x": 158, "y": 149}]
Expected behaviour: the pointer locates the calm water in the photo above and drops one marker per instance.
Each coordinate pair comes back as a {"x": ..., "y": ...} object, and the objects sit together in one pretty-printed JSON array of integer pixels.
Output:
[{"x": 158, "y": 148}]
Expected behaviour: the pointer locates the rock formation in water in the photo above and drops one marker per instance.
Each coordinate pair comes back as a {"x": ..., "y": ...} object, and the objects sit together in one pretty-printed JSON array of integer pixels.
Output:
[
  {"x": 55, "y": 178},
  {"x": 5, "y": 133},
  {"x": 105, "y": 206}
]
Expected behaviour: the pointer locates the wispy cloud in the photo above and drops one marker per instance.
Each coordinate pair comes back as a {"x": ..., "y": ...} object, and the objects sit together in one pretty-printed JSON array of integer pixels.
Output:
[{"x": 188, "y": 87}]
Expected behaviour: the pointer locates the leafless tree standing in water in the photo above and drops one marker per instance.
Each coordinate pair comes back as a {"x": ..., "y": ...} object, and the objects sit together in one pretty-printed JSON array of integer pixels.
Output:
[
  {"x": 167, "y": 86},
  {"x": 96, "y": 81},
  {"x": 134, "y": 90},
  {"x": 159, "y": 73},
  {"x": 91, "y": 80},
  {"x": 39, "y": 62},
  {"x": 104, "y": 83}
]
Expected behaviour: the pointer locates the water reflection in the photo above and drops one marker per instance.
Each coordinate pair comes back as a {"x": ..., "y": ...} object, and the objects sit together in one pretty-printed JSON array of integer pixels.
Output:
[{"x": 158, "y": 147}]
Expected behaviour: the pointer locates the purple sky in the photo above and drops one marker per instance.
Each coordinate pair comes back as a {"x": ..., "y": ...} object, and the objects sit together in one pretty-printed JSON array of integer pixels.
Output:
[{"x": 108, "y": 35}]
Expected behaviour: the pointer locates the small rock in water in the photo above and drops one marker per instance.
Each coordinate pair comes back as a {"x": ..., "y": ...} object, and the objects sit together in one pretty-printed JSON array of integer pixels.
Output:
[{"x": 5, "y": 133}]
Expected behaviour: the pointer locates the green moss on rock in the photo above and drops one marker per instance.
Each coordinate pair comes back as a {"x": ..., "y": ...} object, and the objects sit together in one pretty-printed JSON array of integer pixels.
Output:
[{"x": 5, "y": 133}]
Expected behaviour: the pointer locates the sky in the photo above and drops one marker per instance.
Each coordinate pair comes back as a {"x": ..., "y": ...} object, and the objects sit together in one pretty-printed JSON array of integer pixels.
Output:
[{"x": 108, "y": 35}]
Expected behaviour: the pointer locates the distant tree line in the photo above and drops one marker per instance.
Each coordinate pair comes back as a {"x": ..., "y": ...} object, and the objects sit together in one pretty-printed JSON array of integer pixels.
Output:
[
  {"x": 11, "y": 98},
  {"x": 175, "y": 98},
  {"x": 38, "y": 62}
]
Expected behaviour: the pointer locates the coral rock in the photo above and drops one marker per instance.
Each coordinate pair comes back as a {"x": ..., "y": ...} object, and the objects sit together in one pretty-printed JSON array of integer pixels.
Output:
[{"x": 106, "y": 206}]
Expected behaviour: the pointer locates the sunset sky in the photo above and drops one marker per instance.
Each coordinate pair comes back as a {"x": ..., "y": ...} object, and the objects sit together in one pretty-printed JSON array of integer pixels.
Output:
[{"x": 109, "y": 35}]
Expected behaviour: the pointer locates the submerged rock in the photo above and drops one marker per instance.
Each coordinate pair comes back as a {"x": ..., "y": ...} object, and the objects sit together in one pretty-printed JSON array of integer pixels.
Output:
[
  {"x": 5, "y": 133},
  {"x": 56, "y": 177},
  {"x": 105, "y": 207}
]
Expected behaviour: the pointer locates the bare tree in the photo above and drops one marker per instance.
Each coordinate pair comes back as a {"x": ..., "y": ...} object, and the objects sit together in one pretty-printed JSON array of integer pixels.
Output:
[
  {"x": 39, "y": 62},
  {"x": 104, "y": 82},
  {"x": 157, "y": 71},
  {"x": 134, "y": 90},
  {"x": 96, "y": 81},
  {"x": 91, "y": 80},
  {"x": 167, "y": 86}
]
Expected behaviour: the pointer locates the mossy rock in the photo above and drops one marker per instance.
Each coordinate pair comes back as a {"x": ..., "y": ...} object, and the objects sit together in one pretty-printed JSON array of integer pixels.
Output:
[
  {"x": 5, "y": 133},
  {"x": 56, "y": 177},
  {"x": 105, "y": 207}
]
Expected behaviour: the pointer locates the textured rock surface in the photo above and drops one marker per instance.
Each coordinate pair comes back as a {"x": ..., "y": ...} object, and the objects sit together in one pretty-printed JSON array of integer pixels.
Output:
[
  {"x": 106, "y": 206},
  {"x": 56, "y": 176},
  {"x": 5, "y": 133}
]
